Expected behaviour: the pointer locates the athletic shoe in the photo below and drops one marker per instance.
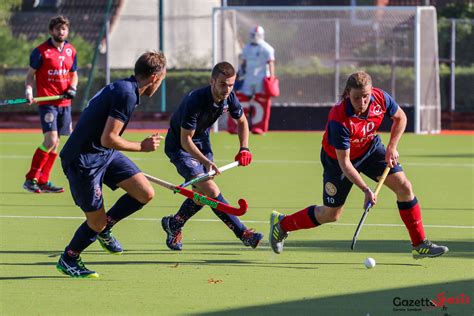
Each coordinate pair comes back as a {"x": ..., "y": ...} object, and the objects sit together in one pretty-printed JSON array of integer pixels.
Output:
[
  {"x": 74, "y": 267},
  {"x": 250, "y": 238},
  {"x": 31, "y": 186},
  {"x": 277, "y": 235},
  {"x": 109, "y": 242},
  {"x": 428, "y": 250},
  {"x": 49, "y": 187},
  {"x": 173, "y": 236}
]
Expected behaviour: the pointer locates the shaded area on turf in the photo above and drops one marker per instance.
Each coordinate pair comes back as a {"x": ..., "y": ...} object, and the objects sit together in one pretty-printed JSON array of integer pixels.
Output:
[{"x": 368, "y": 303}]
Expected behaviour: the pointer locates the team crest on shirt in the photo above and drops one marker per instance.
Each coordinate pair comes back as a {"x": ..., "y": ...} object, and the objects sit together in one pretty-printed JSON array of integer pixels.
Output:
[
  {"x": 49, "y": 118},
  {"x": 97, "y": 191},
  {"x": 68, "y": 51},
  {"x": 377, "y": 110},
  {"x": 330, "y": 189}
]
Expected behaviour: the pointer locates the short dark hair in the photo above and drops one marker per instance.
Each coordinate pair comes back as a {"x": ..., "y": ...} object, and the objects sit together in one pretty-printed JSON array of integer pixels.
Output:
[
  {"x": 224, "y": 68},
  {"x": 150, "y": 63},
  {"x": 58, "y": 20}
]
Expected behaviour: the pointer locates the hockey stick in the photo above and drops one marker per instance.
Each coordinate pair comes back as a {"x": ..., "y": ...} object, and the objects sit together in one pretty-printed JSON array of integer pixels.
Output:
[
  {"x": 37, "y": 99},
  {"x": 210, "y": 174},
  {"x": 369, "y": 205},
  {"x": 202, "y": 199}
]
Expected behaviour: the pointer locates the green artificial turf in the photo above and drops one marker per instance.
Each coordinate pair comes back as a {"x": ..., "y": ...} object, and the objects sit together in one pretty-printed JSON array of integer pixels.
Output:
[{"x": 317, "y": 273}]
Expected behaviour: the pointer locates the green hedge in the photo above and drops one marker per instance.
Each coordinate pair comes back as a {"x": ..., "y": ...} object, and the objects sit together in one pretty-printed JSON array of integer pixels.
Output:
[{"x": 179, "y": 83}]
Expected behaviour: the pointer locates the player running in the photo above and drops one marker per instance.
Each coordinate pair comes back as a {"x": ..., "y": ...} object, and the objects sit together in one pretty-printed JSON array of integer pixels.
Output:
[
  {"x": 54, "y": 66},
  {"x": 188, "y": 146},
  {"x": 92, "y": 156},
  {"x": 350, "y": 146}
]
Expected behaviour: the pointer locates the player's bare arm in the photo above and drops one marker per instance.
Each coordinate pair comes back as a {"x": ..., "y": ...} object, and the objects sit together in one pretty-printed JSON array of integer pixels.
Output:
[
  {"x": 29, "y": 82},
  {"x": 111, "y": 138},
  {"x": 343, "y": 158},
  {"x": 271, "y": 68},
  {"x": 399, "y": 123},
  {"x": 243, "y": 131},
  {"x": 188, "y": 145}
]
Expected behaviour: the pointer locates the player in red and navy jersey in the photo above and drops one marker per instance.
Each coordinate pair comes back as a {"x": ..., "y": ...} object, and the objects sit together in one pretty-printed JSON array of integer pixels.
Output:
[
  {"x": 350, "y": 146},
  {"x": 54, "y": 66}
]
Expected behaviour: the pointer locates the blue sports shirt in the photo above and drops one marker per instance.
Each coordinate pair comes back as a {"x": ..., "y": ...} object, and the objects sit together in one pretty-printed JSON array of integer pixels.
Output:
[
  {"x": 199, "y": 112},
  {"x": 118, "y": 100}
]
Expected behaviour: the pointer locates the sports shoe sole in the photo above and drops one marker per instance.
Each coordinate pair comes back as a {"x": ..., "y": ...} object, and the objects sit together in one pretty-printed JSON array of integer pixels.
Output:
[
  {"x": 165, "y": 228},
  {"x": 94, "y": 275},
  {"x": 419, "y": 257},
  {"x": 272, "y": 220},
  {"x": 30, "y": 190},
  {"x": 109, "y": 251}
]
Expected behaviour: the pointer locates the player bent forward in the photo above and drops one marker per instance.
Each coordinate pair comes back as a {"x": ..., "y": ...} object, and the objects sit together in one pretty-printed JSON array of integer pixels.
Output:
[
  {"x": 350, "y": 146},
  {"x": 188, "y": 146},
  {"x": 92, "y": 156}
]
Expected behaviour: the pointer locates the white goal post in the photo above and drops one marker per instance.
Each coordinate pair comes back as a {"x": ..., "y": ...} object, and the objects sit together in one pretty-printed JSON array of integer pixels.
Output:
[{"x": 316, "y": 48}]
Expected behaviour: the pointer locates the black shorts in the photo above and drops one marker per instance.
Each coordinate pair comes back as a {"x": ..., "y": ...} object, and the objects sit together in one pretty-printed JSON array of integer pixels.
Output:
[{"x": 336, "y": 186}]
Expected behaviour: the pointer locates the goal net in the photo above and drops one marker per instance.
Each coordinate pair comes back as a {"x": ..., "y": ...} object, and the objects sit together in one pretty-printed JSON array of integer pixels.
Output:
[{"x": 316, "y": 48}]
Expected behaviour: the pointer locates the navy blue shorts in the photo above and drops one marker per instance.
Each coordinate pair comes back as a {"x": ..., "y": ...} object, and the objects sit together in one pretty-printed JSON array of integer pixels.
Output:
[
  {"x": 337, "y": 186},
  {"x": 188, "y": 166},
  {"x": 56, "y": 118},
  {"x": 87, "y": 173}
]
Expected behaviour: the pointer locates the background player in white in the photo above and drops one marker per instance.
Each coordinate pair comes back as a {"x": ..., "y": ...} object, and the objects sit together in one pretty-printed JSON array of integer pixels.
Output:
[{"x": 258, "y": 62}]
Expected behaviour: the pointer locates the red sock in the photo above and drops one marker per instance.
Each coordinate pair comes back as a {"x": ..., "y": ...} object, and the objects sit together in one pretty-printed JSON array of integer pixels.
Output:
[
  {"x": 39, "y": 159},
  {"x": 303, "y": 219},
  {"x": 410, "y": 213},
  {"x": 46, "y": 170}
]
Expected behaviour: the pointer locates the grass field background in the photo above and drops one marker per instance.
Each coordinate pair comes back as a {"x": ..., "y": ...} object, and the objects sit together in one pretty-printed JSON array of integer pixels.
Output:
[{"x": 215, "y": 274}]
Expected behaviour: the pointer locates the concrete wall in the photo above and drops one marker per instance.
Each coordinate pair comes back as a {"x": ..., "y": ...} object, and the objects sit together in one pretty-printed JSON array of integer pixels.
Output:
[{"x": 187, "y": 27}]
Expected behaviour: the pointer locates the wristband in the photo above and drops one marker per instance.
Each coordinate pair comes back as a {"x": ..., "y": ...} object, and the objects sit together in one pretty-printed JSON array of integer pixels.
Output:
[
  {"x": 28, "y": 90},
  {"x": 244, "y": 148}
]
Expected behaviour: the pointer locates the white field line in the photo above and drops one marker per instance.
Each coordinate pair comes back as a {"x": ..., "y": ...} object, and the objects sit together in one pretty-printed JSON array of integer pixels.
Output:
[
  {"x": 289, "y": 162},
  {"x": 217, "y": 220}
]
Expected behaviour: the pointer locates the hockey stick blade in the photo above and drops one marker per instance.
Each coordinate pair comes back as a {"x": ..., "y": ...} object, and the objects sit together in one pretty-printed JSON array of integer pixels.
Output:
[{"x": 199, "y": 198}]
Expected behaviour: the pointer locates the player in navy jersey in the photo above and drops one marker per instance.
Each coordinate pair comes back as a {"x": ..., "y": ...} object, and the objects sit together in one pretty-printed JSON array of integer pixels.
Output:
[
  {"x": 92, "y": 156},
  {"x": 350, "y": 146},
  {"x": 54, "y": 66},
  {"x": 188, "y": 146}
]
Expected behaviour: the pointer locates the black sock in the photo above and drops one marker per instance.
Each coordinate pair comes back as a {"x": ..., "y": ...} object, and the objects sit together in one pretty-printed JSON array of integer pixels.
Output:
[
  {"x": 125, "y": 206},
  {"x": 83, "y": 237},
  {"x": 187, "y": 210},
  {"x": 233, "y": 222}
]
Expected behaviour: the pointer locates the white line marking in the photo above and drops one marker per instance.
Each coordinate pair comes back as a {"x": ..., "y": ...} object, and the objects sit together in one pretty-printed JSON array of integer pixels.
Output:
[
  {"x": 217, "y": 220},
  {"x": 289, "y": 162}
]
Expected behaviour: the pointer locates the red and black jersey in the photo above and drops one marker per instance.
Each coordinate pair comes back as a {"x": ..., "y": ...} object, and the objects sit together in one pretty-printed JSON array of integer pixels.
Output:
[
  {"x": 345, "y": 130},
  {"x": 53, "y": 69}
]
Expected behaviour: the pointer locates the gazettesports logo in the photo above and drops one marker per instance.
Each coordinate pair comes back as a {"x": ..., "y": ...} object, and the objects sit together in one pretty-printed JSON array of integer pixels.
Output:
[{"x": 442, "y": 301}]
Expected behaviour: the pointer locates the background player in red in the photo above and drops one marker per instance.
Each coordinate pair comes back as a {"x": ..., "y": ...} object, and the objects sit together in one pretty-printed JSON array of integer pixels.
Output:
[
  {"x": 54, "y": 66},
  {"x": 350, "y": 146},
  {"x": 258, "y": 62}
]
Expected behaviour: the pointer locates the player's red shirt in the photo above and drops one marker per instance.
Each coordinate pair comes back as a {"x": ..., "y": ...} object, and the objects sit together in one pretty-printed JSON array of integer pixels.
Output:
[
  {"x": 345, "y": 130},
  {"x": 53, "y": 69}
]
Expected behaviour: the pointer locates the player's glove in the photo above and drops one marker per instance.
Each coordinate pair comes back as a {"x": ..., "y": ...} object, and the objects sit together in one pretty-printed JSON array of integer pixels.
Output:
[
  {"x": 244, "y": 157},
  {"x": 70, "y": 93}
]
